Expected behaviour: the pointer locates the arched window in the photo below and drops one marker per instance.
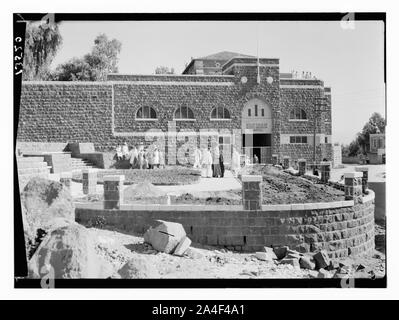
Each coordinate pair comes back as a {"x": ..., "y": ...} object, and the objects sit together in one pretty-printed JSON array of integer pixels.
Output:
[
  {"x": 220, "y": 113},
  {"x": 146, "y": 113},
  {"x": 298, "y": 114},
  {"x": 184, "y": 112}
]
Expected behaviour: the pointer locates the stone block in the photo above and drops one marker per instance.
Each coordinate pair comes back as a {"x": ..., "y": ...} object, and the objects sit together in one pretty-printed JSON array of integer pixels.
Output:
[
  {"x": 301, "y": 166},
  {"x": 322, "y": 260},
  {"x": 270, "y": 251},
  {"x": 307, "y": 262},
  {"x": 280, "y": 251},
  {"x": 264, "y": 256},
  {"x": 286, "y": 162},
  {"x": 274, "y": 159},
  {"x": 165, "y": 236},
  {"x": 89, "y": 181},
  {"x": 183, "y": 245},
  {"x": 323, "y": 274},
  {"x": 292, "y": 261},
  {"x": 113, "y": 191}
]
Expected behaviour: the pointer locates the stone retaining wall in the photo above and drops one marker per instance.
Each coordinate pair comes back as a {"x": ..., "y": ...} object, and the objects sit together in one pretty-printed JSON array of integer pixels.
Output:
[{"x": 341, "y": 228}]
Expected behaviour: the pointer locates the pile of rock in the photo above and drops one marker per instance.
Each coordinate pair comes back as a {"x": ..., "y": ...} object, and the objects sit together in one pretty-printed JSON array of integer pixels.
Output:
[
  {"x": 319, "y": 264},
  {"x": 170, "y": 237}
]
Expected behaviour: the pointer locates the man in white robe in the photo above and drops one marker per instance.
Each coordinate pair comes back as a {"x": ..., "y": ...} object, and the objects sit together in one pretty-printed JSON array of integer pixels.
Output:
[
  {"x": 235, "y": 162},
  {"x": 206, "y": 164},
  {"x": 133, "y": 157},
  {"x": 125, "y": 151},
  {"x": 197, "y": 158}
]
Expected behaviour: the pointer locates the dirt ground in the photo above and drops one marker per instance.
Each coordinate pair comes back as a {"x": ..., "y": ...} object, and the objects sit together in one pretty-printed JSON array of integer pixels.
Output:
[
  {"x": 283, "y": 188},
  {"x": 210, "y": 262}
]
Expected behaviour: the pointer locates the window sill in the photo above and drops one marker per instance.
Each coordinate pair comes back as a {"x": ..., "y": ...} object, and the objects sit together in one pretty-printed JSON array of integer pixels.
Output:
[
  {"x": 298, "y": 120},
  {"x": 146, "y": 119},
  {"x": 189, "y": 120},
  {"x": 220, "y": 119}
]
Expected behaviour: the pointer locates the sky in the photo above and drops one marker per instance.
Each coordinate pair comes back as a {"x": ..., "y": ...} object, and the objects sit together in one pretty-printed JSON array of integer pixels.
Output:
[{"x": 350, "y": 61}]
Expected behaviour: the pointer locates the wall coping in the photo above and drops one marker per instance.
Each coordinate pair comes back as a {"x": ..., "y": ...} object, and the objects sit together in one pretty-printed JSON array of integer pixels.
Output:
[
  {"x": 114, "y": 178},
  {"x": 353, "y": 175},
  {"x": 170, "y": 75},
  {"x": 90, "y": 170},
  {"x": 361, "y": 169},
  {"x": 229, "y": 208},
  {"x": 251, "y": 178},
  {"x": 370, "y": 196}
]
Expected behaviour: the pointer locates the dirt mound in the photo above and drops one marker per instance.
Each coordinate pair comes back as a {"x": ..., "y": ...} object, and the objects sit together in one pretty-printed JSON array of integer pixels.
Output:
[
  {"x": 67, "y": 252},
  {"x": 208, "y": 197},
  {"x": 283, "y": 188},
  {"x": 138, "y": 268},
  {"x": 42, "y": 202},
  {"x": 144, "y": 191}
]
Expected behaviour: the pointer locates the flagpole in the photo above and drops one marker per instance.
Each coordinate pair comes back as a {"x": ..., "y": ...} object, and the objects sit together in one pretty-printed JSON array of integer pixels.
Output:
[{"x": 257, "y": 53}]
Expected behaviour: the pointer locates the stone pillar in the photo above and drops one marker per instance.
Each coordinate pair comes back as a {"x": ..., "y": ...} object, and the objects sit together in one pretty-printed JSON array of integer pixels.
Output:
[
  {"x": 353, "y": 186},
  {"x": 325, "y": 169},
  {"x": 302, "y": 166},
  {"x": 274, "y": 159},
  {"x": 252, "y": 192},
  {"x": 89, "y": 180},
  {"x": 113, "y": 191},
  {"x": 66, "y": 179},
  {"x": 365, "y": 178},
  {"x": 286, "y": 162}
]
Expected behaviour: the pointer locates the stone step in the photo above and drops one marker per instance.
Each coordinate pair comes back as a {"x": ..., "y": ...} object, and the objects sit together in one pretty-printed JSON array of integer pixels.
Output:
[
  {"x": 80, "y": 161},
  {"x": 31, "y": 164},
  {"x": 24, "y": 171},
  {"x": 30, "y": 159},
  {"x": 83, "y": 167}
]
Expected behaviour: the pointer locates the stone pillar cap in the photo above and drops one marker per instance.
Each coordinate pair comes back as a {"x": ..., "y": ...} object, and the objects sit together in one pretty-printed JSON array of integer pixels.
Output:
[
  {"x": 66, "y": 174},
  {"x": 89, "y": 170},
  {"x": 251, "y": 178},
  {"x": 325, "y": 163},
  {"x": 274, "y": 155},
  {"x": 114, "y": 178},
  {"x": 301, "y": 160},
  {"x": 353, "y": 175},
  {"x": 361, "y": 169},
  {"x": 286, "y": 157}
]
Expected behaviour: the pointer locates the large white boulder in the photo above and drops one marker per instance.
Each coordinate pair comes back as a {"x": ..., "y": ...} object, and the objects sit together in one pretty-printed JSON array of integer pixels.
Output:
[{"x": 165, "y": 235}]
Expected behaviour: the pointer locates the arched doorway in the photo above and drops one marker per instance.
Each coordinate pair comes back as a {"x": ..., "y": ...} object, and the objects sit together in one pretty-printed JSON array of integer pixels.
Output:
[{"x": 256, "y": 126}]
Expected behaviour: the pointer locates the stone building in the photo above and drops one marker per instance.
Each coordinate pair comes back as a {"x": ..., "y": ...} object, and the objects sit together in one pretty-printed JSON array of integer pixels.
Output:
[
  {"x": 226, "y": 98},
  {"x": 376, "y": 153}
]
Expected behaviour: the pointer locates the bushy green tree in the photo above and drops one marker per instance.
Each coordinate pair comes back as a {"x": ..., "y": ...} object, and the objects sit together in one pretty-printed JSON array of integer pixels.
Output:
[
  {"x": 164, "y": 70},
  {"x": 94, "y": 66},
  {"x": 42, "y": 41},
  {"x": 361, "y": 144},
  {"x": 76, "y": 69}
]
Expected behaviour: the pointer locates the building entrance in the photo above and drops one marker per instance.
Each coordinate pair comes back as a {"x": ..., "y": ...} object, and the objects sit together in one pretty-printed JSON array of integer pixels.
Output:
[
  {"x": 257, "y": 130},
  {"x": 258, "y": 144}
]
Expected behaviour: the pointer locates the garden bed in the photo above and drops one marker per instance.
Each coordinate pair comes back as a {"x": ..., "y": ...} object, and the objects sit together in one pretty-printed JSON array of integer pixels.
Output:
[
  {"x": 283, "y": 188},
  {"x": 168, "y": 176}
]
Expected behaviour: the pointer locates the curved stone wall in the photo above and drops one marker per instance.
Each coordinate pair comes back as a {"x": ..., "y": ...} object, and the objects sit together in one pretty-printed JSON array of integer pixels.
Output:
[{"x": 341, "y": 228}]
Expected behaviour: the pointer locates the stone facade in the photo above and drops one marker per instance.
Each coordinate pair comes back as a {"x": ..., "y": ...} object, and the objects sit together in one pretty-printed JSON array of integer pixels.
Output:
[{"x": 105, "y": 113}]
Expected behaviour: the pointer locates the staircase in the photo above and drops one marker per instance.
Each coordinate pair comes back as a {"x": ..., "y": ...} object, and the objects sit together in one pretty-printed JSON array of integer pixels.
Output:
[
  {"x": 29, "y": 167},
  {"x": 79, "y": 164}
]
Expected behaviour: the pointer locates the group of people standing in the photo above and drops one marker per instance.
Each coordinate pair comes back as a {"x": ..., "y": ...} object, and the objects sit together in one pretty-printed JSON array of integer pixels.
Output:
[
  {"x": 211, "y": 162},
  {"x": 140, "y": 158}
]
